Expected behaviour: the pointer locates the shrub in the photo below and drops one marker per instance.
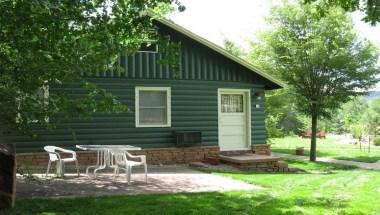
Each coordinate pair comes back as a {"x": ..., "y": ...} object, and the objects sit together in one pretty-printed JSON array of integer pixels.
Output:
[
  {"x": 376, "y": 141},
  {"x": 357, "y": 131},
  {"x": 271, "y": 128}
]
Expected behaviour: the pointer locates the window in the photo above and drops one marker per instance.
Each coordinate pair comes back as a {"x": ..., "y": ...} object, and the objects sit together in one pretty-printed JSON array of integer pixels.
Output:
[
  {"x": 153, "y": 107},
  {"x": 232, "y": 103},
  {"x": 149, "y": 41},
  {"x": 150, "y": 47}
]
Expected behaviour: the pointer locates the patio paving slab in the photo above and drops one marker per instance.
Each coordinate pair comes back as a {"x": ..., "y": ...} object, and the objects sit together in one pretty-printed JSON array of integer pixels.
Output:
[{"x": 161, "y": 179}]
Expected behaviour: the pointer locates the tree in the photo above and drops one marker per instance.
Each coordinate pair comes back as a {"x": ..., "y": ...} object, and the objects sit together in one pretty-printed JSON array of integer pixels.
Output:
[
  {"x": 281, "y": 115},
  {"x": 45, "y": 43},
  {"x": 352, "y": 112},
  {"x": 232, "y": 48},
  {"x": 371, "y": 117},
  {"x": 349, "y": 115},
  {"x": 371, "y": 8},
  {"x": 323, "y": 68},
  {"x": 51, "y": 42}
]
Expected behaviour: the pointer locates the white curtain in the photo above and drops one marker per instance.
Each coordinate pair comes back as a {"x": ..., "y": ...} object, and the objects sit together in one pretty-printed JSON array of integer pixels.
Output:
[
  {"x": 153, "y": 107},
  {"x": 232, "y": 103}
]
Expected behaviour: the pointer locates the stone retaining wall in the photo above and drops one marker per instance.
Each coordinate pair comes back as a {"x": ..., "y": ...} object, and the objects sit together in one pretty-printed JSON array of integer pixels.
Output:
[
  {"x": 154, "y": 156},
  {"x": 163, "y": 156},
  {"x": 266, "y": 166},
  {"x": 261, "y": 149}
]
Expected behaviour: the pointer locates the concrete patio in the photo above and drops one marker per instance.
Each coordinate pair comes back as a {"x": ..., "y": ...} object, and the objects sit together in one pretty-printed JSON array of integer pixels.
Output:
[{"x": 161, "y": 179}]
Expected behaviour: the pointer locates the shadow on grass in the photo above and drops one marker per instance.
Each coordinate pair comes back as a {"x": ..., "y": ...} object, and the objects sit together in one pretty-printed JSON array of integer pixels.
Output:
[
  {"x": 306, "y": 152},
  {"x": 365, "y": 159},
  {"x": 359, "y": 158},
  {"x": 318, "y": 166},
  {"x": 236, "y": 202},
  {"x": 301, "y": 166}
]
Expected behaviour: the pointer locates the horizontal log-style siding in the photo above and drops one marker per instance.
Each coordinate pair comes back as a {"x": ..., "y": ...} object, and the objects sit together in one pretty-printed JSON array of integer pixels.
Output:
[
  {"x": 194, "y": 107},
  {"x": 193, "y": 94}
]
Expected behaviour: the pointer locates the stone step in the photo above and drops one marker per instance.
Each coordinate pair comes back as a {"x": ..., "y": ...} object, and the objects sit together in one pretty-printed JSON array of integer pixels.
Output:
[
  {"x": 282, "y": 164},
  {"x": 256, "y": 162},
  {"x": 234, "y": 152},
  {"x": 248, "y": 158}
]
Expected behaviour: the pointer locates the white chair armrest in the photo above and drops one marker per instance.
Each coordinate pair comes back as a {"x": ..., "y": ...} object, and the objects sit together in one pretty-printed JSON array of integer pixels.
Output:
[
  {"x": 55, "y": 153},
  {"x": 68, "y": 151},
  {"x": 141, "y": 157}
]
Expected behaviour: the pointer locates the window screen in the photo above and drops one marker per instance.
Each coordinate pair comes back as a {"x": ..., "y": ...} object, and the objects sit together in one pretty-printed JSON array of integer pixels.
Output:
[{"x": 153, "y": 107}]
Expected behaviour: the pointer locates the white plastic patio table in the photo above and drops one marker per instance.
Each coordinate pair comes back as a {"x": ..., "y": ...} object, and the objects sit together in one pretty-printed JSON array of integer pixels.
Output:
[{"x": 104, "y": 158}]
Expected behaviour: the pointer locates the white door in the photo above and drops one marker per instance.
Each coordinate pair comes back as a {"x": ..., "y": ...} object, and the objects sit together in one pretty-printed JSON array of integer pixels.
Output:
[{"x": 234, "y": 129}]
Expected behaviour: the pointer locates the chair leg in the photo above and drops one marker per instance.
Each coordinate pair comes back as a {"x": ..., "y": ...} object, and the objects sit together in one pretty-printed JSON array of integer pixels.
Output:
[
  {"x": 59, "y": 168},
  {"x": 48, "y": 168},
  {"x": 62, "y": 169},
  {"x": 127, "y": 177},
  {"x": 77, "y": 165},
  {"x": 146, "y": 173},
  {"x": 115, "y": 170},
  {"x": 129, "y": 173}
]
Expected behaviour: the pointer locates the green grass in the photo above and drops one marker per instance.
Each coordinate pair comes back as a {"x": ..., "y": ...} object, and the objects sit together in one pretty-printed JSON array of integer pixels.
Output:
[
  {"x": 319, "y": 188},
  {"x": 329, "y": 147}
]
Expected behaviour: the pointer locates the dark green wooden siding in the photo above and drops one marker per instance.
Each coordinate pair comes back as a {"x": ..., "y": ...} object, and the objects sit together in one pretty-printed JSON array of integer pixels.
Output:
[
  {"x": 194, "y": 107},
  {"x": 197, "y": 62},
  {"x": 194, "y": 101}
]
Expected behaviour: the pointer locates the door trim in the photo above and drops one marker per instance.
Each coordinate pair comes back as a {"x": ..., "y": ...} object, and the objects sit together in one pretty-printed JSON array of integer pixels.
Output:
[{"x": 247, "y": 93}]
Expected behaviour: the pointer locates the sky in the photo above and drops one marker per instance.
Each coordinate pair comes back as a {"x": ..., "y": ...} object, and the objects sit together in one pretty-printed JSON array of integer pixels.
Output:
[{"x": 240, "y": 20}]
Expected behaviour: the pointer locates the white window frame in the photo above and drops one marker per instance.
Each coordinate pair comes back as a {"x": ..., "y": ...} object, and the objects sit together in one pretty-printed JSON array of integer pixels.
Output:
[{"x": 137, "y": 106}]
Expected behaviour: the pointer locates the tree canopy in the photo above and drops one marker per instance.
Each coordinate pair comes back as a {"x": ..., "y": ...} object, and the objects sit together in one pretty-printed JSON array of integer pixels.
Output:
[
  {"x": 45, "y": 42},
  {"x": 371, "y": 8},
  {"x": 232, "y": 48},
  {"x": 371, "y": 117},
  {"x": 324, "y": 68}
]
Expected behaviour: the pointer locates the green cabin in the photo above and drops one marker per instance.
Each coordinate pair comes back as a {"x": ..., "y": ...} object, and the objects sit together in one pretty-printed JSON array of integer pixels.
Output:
[{"x": 215, "y": 99}]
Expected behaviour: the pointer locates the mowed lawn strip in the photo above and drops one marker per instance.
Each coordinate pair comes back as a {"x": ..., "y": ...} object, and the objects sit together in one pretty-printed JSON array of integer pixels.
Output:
[
  {"x": 319, "y": 188},
  {"x": 330, "y": 147}
]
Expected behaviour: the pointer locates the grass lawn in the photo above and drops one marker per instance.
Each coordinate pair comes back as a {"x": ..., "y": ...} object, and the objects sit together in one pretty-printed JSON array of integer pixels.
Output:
[
  {"x": 319, "y": 189},
  {"x": 330, "y": 147}
]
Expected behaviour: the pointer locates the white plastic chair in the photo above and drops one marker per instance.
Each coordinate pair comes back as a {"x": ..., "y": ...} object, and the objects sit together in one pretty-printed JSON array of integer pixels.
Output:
[
  {"x": 54, "y": 156},
  {"x": 121, "y": 161}
]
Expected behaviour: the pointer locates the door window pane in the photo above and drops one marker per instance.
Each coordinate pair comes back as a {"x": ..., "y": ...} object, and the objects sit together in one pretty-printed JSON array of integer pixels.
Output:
[{"x": 232, "y": 103}]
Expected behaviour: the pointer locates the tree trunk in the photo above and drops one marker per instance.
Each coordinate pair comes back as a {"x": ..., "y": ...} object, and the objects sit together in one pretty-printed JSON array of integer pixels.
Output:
[
  {"x": 7, "y": 176},
  {"x": 313, "y": 144}
]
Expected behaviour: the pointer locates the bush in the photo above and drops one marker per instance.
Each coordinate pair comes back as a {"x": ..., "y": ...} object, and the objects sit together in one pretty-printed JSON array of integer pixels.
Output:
[
  {"x": 376, "y": 141},
  {"x": 271, "y": 128},
  {"x": 357, "y": 131},
  {"x": 273, "y": 132}
]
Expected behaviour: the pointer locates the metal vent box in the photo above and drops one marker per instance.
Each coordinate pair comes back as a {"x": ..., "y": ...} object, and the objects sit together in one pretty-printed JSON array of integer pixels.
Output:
[{"x": 188, "y": 138}]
